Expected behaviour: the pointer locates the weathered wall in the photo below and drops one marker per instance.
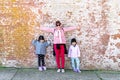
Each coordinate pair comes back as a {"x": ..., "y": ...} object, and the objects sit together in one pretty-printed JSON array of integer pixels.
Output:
[{"x": 99, "y": 37}]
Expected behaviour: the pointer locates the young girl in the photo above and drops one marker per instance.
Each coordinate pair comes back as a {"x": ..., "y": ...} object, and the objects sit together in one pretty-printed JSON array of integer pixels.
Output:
[
  {"x": 59, "y": 43},
  {"x": 74, "y": 54},
  {"x": 40, "y": 46}
]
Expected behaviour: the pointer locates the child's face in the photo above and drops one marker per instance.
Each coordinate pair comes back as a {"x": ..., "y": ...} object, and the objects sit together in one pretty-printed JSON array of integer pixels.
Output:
[
  {"x": 74, "y": 43},
  {"x": 42, "y": 41}
]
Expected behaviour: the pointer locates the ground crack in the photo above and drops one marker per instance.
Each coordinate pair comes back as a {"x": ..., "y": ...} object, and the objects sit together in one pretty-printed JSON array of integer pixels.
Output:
[
  {"x": 98, "y": 76},
  {"x": 14, "y": 75}
]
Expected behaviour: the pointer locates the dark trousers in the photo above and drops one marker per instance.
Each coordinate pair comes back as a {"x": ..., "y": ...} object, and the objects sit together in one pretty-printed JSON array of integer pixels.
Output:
[{"x": 41, "y": 61}]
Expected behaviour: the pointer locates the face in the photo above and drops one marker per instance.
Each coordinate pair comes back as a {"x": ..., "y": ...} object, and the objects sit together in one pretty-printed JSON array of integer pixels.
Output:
[
  {"x": 42, "y": 41},
  {"x": 74, "y": 43},
  {"x": 58, "y": 23}
]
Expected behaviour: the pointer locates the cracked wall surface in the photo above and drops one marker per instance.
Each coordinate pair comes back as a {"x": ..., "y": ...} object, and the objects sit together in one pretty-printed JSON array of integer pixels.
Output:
[{"x": 98, "y": 39}]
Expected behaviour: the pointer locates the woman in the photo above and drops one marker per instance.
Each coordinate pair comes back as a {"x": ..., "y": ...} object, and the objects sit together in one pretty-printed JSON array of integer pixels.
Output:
[{"x": 59, "y": 42}]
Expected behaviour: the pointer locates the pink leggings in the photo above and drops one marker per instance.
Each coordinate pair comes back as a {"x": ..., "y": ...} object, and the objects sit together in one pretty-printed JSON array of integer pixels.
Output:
[{"x": 60, "y": 58}]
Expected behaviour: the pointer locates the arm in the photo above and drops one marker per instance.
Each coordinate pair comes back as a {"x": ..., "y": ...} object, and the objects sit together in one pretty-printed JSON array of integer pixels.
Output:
[
  {"x": 69, "y": 53},
  {"x": 78, "y": 50},
  {"x": 72, "y": 28},
  {"x": 48, "y": 43},
  {"x": 69, "y": 29},
  {"x": 34, "y": 42},
  {"x": 47, "y": 29}
]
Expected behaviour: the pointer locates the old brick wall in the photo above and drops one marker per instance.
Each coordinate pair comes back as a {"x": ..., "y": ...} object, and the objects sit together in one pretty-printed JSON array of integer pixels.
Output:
[{"x": 98, "y": 39}]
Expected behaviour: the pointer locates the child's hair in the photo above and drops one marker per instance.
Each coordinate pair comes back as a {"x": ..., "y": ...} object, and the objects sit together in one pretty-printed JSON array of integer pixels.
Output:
[
  {"x": 41, "y": 38},
  {"x": 58, "y": 22},
  {"x": 73, "y": 40}
]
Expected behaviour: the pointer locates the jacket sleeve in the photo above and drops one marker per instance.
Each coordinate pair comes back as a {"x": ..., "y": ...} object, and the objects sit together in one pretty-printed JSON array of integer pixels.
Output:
[
  {"x": 69, "y": 29},
  {"x": 78, "y": 50},
  {"x": 47, "y": 29},
  {"x": 69, "y": 52},
  {"x": 34, "y": 42},
  {"x": 48, "y": 43}
]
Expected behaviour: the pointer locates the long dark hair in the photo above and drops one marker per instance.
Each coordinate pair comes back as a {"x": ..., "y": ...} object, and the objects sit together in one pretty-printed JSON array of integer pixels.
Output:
[{"x": 41, "y": 38}]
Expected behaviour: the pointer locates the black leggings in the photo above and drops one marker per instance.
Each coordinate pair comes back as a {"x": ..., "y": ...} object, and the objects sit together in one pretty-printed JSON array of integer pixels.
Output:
[{"x": 41, "y": 61}]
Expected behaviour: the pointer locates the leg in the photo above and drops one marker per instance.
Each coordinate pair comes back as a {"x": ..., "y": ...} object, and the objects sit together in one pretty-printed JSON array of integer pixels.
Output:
[
  {"x": 57, "y": 52},
  {"x": 62, "y": 54},
  {"x": 43, "y": 62},
  {"x": 78, "y": 65},
  {"x": 73, "y": 63},
  {"x": 39, "y": 61}
]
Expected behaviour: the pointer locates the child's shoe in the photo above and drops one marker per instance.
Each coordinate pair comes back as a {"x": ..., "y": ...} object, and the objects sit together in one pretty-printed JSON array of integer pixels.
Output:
[
  {"x": 40, "y": 69},
  {"x": 58, "y": 70},
  {"x": 75, "y": 70},
  {"x": 44, "y": 68},
  {"x": 62, "y": 70},
  {"x": 78, "y": 71}
]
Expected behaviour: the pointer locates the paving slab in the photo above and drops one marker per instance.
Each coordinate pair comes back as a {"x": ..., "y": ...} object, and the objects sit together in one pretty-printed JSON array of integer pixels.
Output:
[
  {"x": 7, "y": 73},
  {"x": 109, "y": 76},
  {"x": 51, "y": 74}
]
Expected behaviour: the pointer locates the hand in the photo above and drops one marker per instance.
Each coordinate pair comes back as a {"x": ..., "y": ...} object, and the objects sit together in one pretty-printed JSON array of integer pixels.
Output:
[
  {"x": 49, "y": 42},
  {"x": 78, "y": 28},
  {"x": 35, "y": 38}
]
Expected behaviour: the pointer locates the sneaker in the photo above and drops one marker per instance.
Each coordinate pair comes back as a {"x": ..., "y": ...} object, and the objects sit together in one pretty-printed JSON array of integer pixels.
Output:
[
  {"x": 40, "y": 68},
  {"x": 58, "y": 70},
  {"x": 78, "y": 71},
  {"x": 62, "y": 70},
  {"x": 75, "y": 70},
  {"x": 44, "y": 68}
]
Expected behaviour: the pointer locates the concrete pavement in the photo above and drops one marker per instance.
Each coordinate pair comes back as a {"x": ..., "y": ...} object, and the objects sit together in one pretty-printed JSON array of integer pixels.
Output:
[{"x": 51, "y": 74}]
